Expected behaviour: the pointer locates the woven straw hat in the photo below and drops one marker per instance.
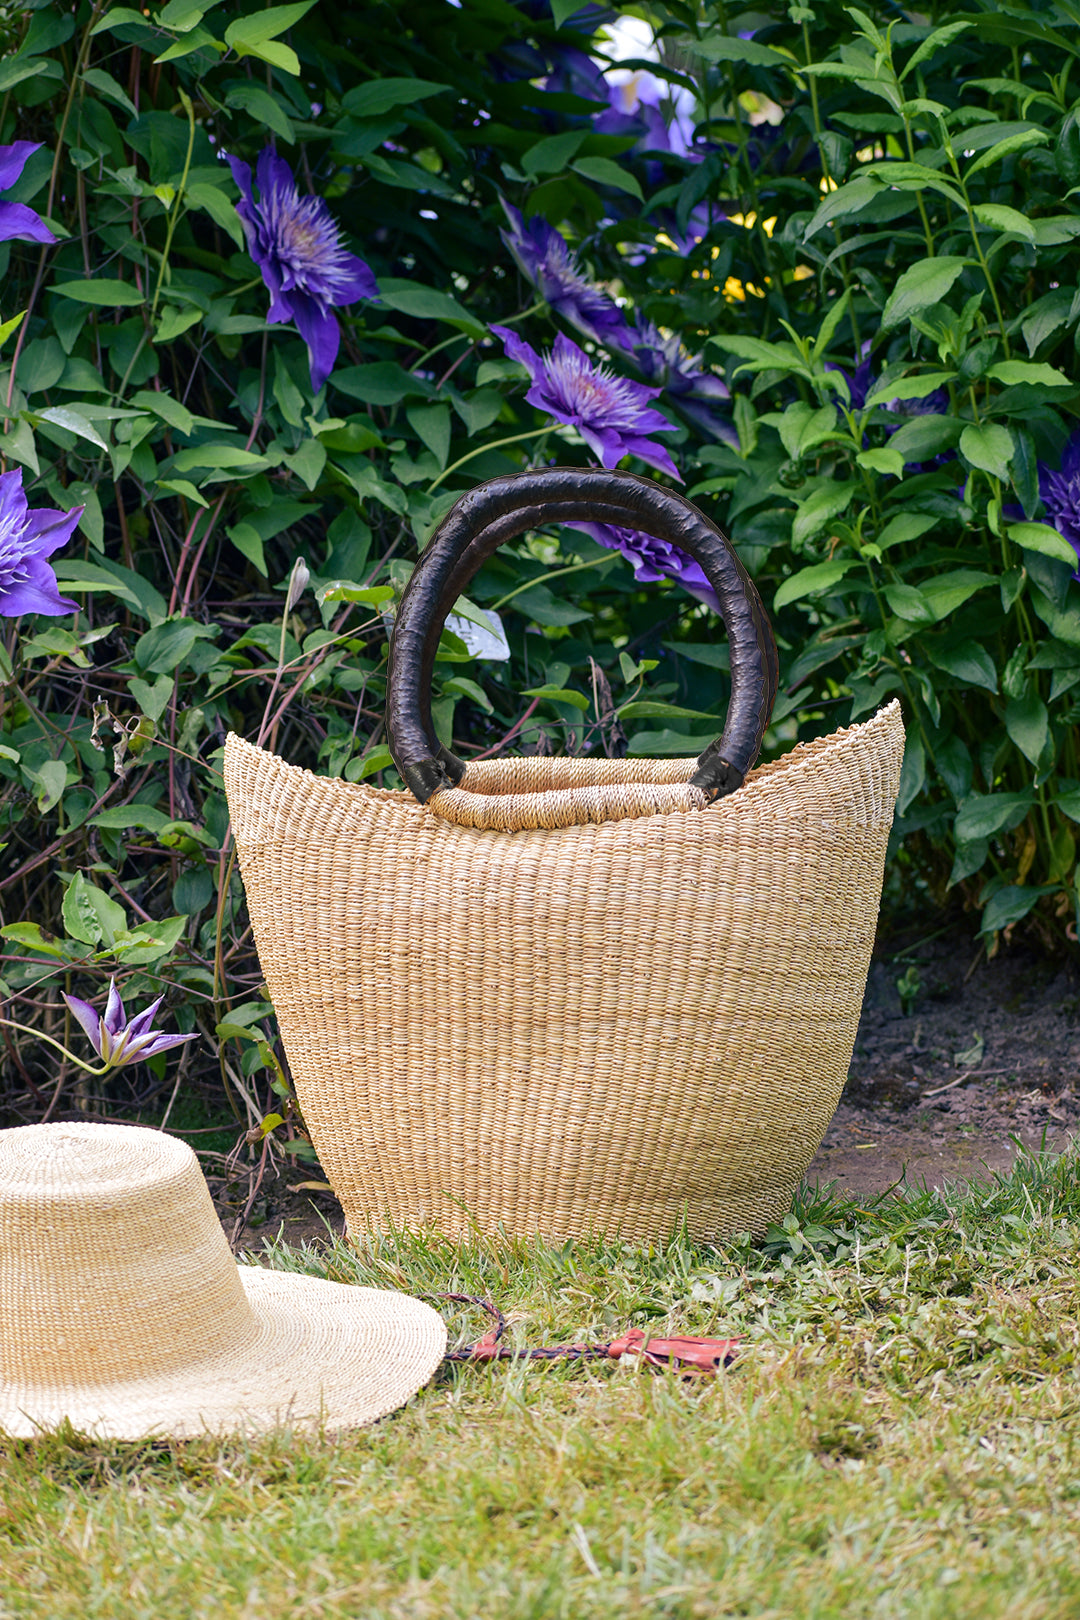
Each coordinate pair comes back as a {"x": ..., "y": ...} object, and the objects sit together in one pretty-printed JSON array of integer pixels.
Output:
[{"x": 122, "y": 1309}]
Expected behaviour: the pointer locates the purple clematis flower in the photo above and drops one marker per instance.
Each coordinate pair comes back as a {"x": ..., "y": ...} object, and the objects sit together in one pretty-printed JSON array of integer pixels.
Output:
[
  {"x": 544, "y": 259},
  {"x": 117, "y": 1039},
  {"x": 653, "y": 559},
  {"x": 16, "y": 219},
  {"x": 296, "y": 243},
  {"x": 27, "y": 583},
  {"x": 611, "y": 413},
  {"x": 664, "y": 363},
  {"x": 1060, "y": 492}
]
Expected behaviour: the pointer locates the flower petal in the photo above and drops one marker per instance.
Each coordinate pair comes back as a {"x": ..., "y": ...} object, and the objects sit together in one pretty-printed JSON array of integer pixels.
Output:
[
  {"x": 13, "y": 161},
  {"x": 47, "y": 530},
  {"x": 321, "y": 333},
  {"x": 141, "y": 1023},
  {"x": 517, "y": 349},
  {"x": 114, "y": 1010},
  {"x": 17, "y": 221},
  {"x": 31, "y": 596},
  {"x": 88, "y": 1018},
  {"x": 353, "y": 280},
  {"x": 162, "y": 1043},
  {"x": 654, "y": 454},
  {"x": 241, "y": 173}
]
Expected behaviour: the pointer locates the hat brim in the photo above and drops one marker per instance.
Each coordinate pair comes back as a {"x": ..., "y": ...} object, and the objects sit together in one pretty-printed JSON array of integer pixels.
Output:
[{"x": 321, "y": 1355}]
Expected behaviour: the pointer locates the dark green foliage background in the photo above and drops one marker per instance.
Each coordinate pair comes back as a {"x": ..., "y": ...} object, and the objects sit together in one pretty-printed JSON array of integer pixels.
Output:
[{"x": 916, "y": 195}]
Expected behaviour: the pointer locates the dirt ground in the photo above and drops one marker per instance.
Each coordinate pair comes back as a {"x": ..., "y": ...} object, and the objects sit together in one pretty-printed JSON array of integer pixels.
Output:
[{"x": 957, "y": 1061}]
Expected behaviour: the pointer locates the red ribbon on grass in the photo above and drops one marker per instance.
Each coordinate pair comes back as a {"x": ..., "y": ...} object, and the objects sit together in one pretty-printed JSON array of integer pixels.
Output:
[{"x": 692, "y": 1358}]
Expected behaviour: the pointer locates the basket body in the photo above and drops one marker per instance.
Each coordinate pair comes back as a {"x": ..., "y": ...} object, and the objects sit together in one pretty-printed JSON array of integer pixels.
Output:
[{"x": 599, "y": 1029}]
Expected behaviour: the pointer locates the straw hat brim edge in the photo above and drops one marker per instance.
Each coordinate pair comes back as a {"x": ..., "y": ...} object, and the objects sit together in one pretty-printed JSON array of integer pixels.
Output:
[{"x": 323, "y": 1355}]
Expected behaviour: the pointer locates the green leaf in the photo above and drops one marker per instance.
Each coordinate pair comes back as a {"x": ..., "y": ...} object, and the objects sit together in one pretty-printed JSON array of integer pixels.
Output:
[
  {"x": 728, "y": 48},
  {"x": 432, "y": 424},
  {"x": 370, "y": 595},
  {"x": 913, "y": 770},
  {"x": 307, "y": 462},
  {"x": 558, "y": 694},
  {"x": 122, "y": 817},
  {"x": 903, "y": 527},
  {"x": 51, "y": 780},
  {"x": 946, "y": 592},
  {"x": 245, "y": 33},
  {"x": 73, "y": 575},
  {"x": 380, "y": 96},
  {"x": 1003, "y": 149},
  {"x": 923, "y": 283},
  {"x": 759, "y": 355},
  {"x": 1067, "y": 803},
  {"x": 605, "y": 172},
  {"x": 197, "y": 39},
  {"x": 989, "y": 446},
  {"x": 909, "y": 387},
  {"x": 461, "y": 686},
  {"x": 90, "y": 915},
  {"x": 808, "y": 581},
  {"x": 109, "y": 294},
  {"x": 935, "y": 42},
  {"x": 119, "y": 17},
  {"x": 161, "y": 649},
  {"x": 909, "y": 604},
  {"x": 248, "y": 543},
  {"x": 221, "y": 209},
  {"x": 217, "y": 456},
  {"x": 169, "y": 409},
  {"x": 1000, "y": 218},
  {"x": 263, "y": 108},
  {"x": 180, "y": 486},
  {"x": 20, "y": 445},
  {"x": 151, "y": 696},
  {"x": 65, "y": 416},
  {"x": 1009, "y": 905},
  {"x": 378, "y": 758},
  {"x": 1045, "y": 540},
  {"x": 553, "y": 153},
  {"x": 425, "y": 303},
  {"x": 563, "y": 10},
  {"x": 149, "y": 941},
  {"x": 819, "y": 509},
  {"x": 968, "y": 661},
  {"x": 1028, "y": 725},
  {"x": 173, "y": 322},
  {"x": 1012, "y": 372},
  {"x": 982, "y": 815},
  {"x": 802, "y": 427},
  {"x": 32, "y": 937},
  {"x": 383, "y": 382},
  {"x": 650, "y": 709},
  {"x": 882, "y": 460},
  {"x": 1064, "y": 623}
]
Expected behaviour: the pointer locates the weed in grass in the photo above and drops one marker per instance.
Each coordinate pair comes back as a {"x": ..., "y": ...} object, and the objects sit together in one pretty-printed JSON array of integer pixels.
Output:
[{"x": 898, "y": 1438}]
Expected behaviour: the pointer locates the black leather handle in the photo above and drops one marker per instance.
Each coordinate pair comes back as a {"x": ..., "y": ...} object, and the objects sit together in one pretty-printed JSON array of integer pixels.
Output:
[{"x": 495, "y": 512}]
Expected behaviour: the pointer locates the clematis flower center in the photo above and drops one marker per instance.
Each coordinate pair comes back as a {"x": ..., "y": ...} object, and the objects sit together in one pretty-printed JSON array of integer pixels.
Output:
[{"x": 13, "y": 547}]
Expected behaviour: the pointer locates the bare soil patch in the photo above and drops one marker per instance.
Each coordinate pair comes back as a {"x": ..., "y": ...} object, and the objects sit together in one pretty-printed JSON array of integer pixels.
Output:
[{"x": 957, "y": 1061}]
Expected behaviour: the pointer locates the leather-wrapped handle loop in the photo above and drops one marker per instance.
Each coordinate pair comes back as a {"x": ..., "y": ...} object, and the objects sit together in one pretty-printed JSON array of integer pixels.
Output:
[{"x": 495, "y": 512}]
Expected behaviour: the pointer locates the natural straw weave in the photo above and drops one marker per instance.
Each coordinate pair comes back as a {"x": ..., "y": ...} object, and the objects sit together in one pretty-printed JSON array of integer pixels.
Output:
[
  {"x": 602, "y": 1028},
  {"x": 123, "y": 1311}
]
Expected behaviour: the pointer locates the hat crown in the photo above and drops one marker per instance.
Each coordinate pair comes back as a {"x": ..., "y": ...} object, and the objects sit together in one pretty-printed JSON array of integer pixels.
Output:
[{"x": 113, "y": 1263}]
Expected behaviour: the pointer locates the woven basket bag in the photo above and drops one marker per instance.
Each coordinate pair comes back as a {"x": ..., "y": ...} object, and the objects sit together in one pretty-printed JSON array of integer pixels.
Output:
[{"x": 579, "y": 996}]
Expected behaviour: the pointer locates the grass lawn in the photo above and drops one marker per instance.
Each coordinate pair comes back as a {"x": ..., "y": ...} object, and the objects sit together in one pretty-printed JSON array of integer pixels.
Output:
[{"x": 898, "y": 1437}]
